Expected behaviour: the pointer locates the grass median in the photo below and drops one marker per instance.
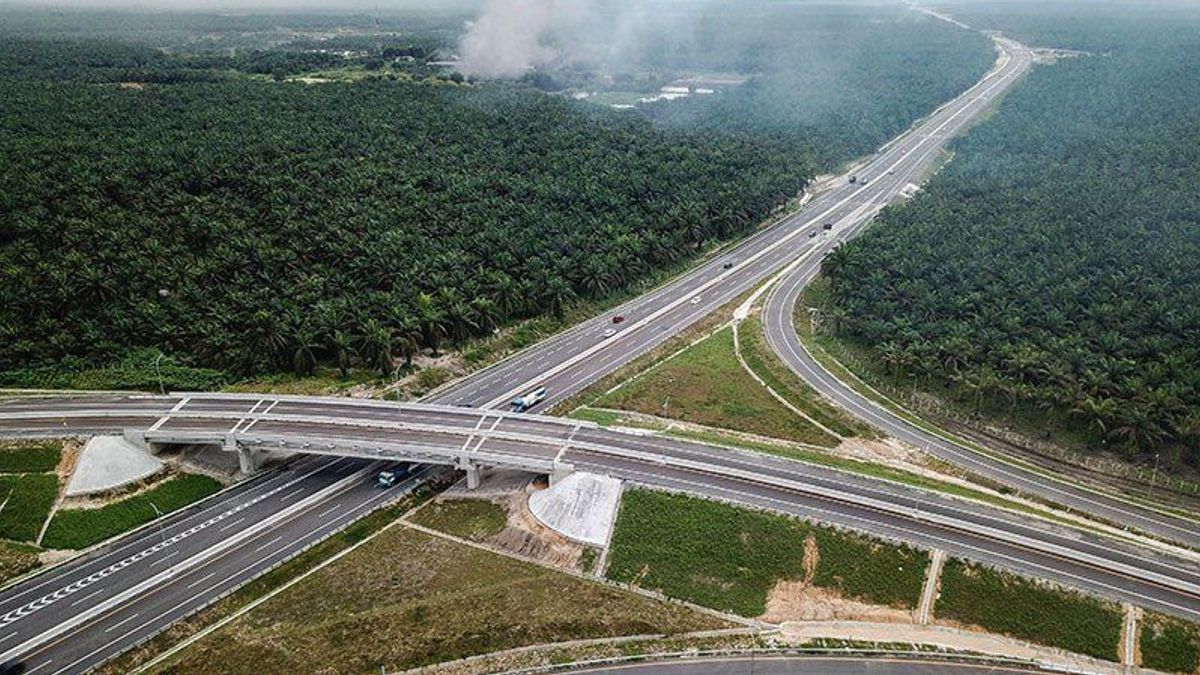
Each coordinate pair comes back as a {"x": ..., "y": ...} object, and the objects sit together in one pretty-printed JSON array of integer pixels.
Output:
[
  {"x": 730, "y": 558},
  {"x": 1169, "y": 644},
  {"x": 30, "y": 457},
  {"x": 80, "y": 528},
  {"x": 705, "y": 384},
  {"x": 1029, "y": 610}
]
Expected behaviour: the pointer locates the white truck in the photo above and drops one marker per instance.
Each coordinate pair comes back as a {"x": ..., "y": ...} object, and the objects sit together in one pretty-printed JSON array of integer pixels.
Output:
[{"x": 527, "y": 401}]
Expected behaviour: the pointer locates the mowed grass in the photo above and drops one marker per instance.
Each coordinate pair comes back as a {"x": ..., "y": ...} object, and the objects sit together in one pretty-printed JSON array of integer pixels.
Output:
[
  {"x": 764, "y": 362},
  {"x": 729, "y": 558},
  {"x": 473, "y": 519},
  {"x": 80, "y": 528},
  {"x": 705, "y": 384},
  {"x": 27, "y": 499},
  {"x": 407, "y": 599},
  {"x": 30, "y": 457},
  {"x": 1027, "y": 610},
  {"x": 1169, "y": 644}
]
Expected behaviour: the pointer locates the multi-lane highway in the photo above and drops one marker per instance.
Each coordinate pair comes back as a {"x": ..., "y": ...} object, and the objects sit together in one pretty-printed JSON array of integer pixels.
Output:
[
  {"x": 568, "y": 362},
  {"x": 95, "y": 607},
  {"x": 76, "y": 615},
  {"x": 88, "y": 610}
]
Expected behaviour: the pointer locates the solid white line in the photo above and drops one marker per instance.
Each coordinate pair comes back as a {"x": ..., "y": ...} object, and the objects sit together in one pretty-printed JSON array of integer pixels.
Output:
[
  {"x": 39, "y": 666},
  {"x": 226, "y": 527},
  {"x": 122, "y": 622},
  {"x": 201, "y": 580},
  {"x": 329, "y": 510},
  {"x": 269, "y": 543},
  {"x": 88, "y": 596}
]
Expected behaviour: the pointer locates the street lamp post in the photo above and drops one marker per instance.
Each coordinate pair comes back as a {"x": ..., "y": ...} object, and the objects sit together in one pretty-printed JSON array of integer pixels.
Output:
[{"x": 158, "y": 371}]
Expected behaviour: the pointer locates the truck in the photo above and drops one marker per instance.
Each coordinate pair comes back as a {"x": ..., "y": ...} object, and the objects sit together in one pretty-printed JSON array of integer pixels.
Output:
[{"x": 527, "y": 401}]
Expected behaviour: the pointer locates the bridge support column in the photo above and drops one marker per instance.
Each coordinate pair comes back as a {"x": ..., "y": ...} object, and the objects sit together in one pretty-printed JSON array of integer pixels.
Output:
[
  {"x": 472, "y": 470},
  {"x": 561, "y": 471},
  {"x": 246, "y": 460}
]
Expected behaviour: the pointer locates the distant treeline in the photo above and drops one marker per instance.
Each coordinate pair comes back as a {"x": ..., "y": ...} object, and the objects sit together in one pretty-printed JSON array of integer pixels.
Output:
[
  {"x": 1053, "y": 263},
  {"x": 255, "y": 227}
]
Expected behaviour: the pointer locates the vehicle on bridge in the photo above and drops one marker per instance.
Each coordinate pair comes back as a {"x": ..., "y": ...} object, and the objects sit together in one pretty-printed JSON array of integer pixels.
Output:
[{"x": 523, "y": 403}]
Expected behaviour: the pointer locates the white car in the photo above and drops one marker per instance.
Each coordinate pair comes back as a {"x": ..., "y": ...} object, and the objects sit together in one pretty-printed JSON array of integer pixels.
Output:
[
  {"x": 609, "y": 333},
  {"x": 696, "y": 300}
]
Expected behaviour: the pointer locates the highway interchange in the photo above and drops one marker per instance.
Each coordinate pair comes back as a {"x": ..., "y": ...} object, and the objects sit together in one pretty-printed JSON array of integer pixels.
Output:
[{"x": 75, "y": 616}]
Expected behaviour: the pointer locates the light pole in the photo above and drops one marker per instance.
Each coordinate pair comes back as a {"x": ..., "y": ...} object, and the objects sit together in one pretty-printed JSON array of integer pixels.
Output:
[
  {"x": 162, "y": 536},
  {"x": 1153, "y": 476},
  {"x": 161, "y": 389}
]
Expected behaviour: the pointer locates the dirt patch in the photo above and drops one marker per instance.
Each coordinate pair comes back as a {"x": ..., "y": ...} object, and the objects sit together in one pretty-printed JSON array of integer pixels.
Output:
[
  {"x": 524, "y": 536},
  {"x": 95, "y": 501},
  {"x": 799, "y": 601},
  {"x": 70, "y": 455},
  {"x": 136, "y": 86}
]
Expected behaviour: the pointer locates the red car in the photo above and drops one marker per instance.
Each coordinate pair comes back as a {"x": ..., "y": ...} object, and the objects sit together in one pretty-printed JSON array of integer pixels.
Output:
[{"x": 618, "y": 318}]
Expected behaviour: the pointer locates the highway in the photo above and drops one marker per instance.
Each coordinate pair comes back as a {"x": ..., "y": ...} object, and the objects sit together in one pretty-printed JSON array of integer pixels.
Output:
[
  {"x": 569, "y": 361},
  {"x": 56, "y": 623},
  {"x": 388, "y": 432}
]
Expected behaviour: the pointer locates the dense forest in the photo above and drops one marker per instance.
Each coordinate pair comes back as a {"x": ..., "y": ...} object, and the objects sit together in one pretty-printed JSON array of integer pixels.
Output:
[
  {"x": 157, "y": 199},
  {"x": 1053, "y": 262}
]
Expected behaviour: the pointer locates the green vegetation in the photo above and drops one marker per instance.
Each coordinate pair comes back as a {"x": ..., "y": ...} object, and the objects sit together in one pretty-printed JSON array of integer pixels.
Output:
[
  {"x": 729, "y": 558},
  {"x": 474, "y": 519},
  {"x": 763, "y": 361},
  {"x": 16, "y": 559},
  {"x": 1050, "y": 267},
  {"x": 287, "y": 206},
  {"x": 408, "y": 599},
  {"x": 1029, "y": 610},
  {"x": 30, "y": 456},
  {"x": 80, "y": 528},
  {"x": 706, "y": 385},
  {"x": 27, "y": 500},
  {"x": 1169, "y": 644}
]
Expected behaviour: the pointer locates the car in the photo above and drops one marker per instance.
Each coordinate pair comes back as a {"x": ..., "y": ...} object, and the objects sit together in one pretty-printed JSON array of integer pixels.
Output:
[
  {"x": 728, "y": 265},
  {"x": 828, "y": 226},
  {"x": 386, "y": 479},
  {"x": 609, "y": 333},
  {"x": 812, "y": 234},
  {"x": 618, "y": 318},
  {"x": 696, "y": 300}
]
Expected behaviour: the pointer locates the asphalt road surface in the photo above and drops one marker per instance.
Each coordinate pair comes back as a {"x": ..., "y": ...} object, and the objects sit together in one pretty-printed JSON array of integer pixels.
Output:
[{"x": 76, "y": 615}]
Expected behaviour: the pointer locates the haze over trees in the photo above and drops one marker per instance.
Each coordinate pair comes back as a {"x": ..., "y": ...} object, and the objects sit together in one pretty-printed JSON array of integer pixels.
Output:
[
  {"x": 1053, "y": 262},
  {"x": 181, "y": 201}
]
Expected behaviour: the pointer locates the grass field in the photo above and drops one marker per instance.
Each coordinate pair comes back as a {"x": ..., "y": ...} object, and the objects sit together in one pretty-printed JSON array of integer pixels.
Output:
[
  {"x": 16, "y": 559},
  {"x": 80, "y": 528},
  {"x": 706, "y": 385},
  {"x": 1169, "y": 644},
  {"x": 1024, "y": 609},
  {"x": 778, "y": 376},
  {"x": 729, "y": 558},
  {"x": 30, "y": 457},
  {"x": 473, "y": 519},
  {"x": 407, "y": 599},
  {"x": 27, "y": 500}
]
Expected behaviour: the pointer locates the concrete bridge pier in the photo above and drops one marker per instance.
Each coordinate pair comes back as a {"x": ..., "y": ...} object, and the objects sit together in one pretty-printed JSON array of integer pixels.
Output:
[{"x": 472, "y": 470}]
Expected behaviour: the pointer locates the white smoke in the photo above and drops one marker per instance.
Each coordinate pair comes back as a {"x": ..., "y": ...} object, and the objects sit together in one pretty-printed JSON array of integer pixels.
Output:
[{"x": 512, "y": 36}]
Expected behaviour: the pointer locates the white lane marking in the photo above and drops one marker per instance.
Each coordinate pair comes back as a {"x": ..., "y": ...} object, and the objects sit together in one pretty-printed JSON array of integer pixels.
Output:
[
  {"x": 163, "y": 558},
  {"x": 39, "y": 666},
  {"x": 291, "y": 494},
  {"x": 329, "y": 510},
  {"x": 269, "y": 543},
  {"x": 8, "y": 637},
  {"x": 201, "y": 580},
  {"x": 232, "y": 524},
  {"x": 120, "y": 623},
  {"x": 87, "y": 597},
  {"x": 260, "y": 415},
  {"x": 162, "y": 420},
  {"x": 746, "y": 262},
  {"x": 80, "y": 584}
]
